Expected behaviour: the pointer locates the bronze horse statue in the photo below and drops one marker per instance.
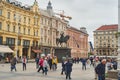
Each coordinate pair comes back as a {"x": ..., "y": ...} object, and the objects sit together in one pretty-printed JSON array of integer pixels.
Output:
[{"x": 62, "y": 39}]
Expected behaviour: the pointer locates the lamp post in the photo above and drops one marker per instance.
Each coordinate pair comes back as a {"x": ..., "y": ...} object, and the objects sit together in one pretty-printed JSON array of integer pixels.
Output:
[
  {"x": 17, "y": 17},
  {"x": 118, "y": 35},
  {"x": 16, "y": 55}
]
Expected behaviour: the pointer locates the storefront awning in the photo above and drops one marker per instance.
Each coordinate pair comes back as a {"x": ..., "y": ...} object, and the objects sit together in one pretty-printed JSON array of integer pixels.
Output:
[
  {"x": 36, "y": 51},
  {"x": 5, "y": 49}
]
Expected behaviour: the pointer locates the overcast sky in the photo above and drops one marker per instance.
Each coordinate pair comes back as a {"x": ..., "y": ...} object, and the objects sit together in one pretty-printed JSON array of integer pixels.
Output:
[{"x": 85, "y": 13}]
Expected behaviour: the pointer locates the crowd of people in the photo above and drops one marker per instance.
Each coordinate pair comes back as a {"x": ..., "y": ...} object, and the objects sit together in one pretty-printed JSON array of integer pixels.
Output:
[
  {"x": 100, "y": 65},
  {"x": 43, "y": 63}
]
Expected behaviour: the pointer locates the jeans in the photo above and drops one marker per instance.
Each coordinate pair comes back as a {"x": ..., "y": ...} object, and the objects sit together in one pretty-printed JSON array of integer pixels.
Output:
[
  {"x": 45, "y": 70},
  {"x": 101, "y": 77},
  {"x": 68, "y": 74},
  {"x": 24, "y": 66},
  {"x": 13, "y": 67},
  {"x": 84, "y": 66}
]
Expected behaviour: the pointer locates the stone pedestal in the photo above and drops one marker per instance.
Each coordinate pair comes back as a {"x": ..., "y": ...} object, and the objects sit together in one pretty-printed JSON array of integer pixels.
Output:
[
  {"x": 113, "y": 74},
  {"x": 62, "y": 52}
]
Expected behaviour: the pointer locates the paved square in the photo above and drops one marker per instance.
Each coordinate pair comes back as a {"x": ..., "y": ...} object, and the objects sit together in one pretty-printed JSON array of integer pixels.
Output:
[{"x": 32, "y": 74}]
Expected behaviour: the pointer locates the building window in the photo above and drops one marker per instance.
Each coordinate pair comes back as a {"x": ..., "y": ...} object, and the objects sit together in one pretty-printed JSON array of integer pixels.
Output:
[
  {"x": 19, "y": 18},
  {"x": 1, "y": 40},
  {"x": 33, "y": 43},
  {"x": 15, "y": 17},
  {"x": 19, "y": 30},
  {"x": 34, "y": 21},
  {"x": 24, "y": 30},
  {"x": 96, "y": 37},
  {"x": 37, "y": 33},
  {"x": 24, "y": 19},
  {"x": 36, "y": 43},
  {"x": 48, "y": 32},
  {"x": 10, "y": 41},
  {"x": 29, "y": 21},
  {"x": 34, "y": 32},
  {"x": 0, "y": 25},
  {"x": 0, "y": 12},
  {"x": 26, "y": 42},
  {"x": 13, "y": 28},
  {"x": 41, "y": 31},
  {"x": 8, "y": 15},
  {"x": 28, "y": 31},
  {"x": 8, "y": 27},
  {"x": 112, "y": 45},
  {"x": 19, "y": 41},
  {"x": 41, "y": 40},
  {"x": 104, "y": 37}
]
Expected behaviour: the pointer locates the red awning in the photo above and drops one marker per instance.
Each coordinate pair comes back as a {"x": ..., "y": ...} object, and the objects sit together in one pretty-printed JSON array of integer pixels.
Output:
[{"x": 36, "y": 51}]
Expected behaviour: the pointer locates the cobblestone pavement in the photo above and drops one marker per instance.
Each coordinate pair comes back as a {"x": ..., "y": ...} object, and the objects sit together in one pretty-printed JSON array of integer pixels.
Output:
[{"x": 32, "y": 74}]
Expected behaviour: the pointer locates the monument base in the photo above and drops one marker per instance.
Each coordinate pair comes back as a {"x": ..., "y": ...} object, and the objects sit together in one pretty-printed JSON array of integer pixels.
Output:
[
  {"x": 113, "y": 74},
  {"x": 61, "y": 52}
]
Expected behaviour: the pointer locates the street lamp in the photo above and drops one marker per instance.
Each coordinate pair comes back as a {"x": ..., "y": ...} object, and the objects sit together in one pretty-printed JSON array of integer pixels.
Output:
[
  {"x": 118, "y": 35},
  {"x": 17, "y": 17}
]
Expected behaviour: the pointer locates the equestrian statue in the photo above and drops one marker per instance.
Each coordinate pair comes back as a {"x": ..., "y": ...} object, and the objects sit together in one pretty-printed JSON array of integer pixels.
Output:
[{"x": 62, "y": 39}]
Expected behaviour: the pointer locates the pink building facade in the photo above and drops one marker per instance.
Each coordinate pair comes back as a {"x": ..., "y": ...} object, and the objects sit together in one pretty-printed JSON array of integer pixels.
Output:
[{"x": 78, "y": 42}]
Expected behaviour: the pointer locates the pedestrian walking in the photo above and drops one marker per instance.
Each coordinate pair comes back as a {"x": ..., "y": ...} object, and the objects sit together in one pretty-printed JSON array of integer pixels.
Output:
[
  {"x": 41, "y": 60},
  {"x": 84, "y": 64},
  {"x": 88, "y": 63},
  {"x": 45, "y": 66},
  {"x": 50, "y": 62},
  {"x": 96, "y": 62},
  {"x": 115, "y": 64},
  {"x": 63, "y": 66},
  {"x": 54, "y": 63},
  {"x": 100, "y": 70},
  {"x": 13, "y": 63},
  {"x": 24, "y": 62},
  {"x": 68, "y": 69},
  {"x": 37, "y": 62}
]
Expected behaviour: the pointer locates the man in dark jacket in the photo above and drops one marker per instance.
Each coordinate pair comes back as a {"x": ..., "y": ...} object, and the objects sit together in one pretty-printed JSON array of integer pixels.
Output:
[
  {"x": 50, "y": 62},
  {"x": 84, "y": 63},
  {"x": 100, "y": 70},
  {"x": 68, "y": 69}
]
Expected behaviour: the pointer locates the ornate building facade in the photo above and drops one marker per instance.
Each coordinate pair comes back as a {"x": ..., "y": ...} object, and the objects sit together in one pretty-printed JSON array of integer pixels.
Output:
[
  {"x": 105, "y": 40},
  {"x": 78, "y": 42},
  {"x": 19, "y": 26}
]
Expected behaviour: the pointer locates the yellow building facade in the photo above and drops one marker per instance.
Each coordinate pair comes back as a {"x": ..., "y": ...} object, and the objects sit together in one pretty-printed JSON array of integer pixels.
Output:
[{"x": 19, "y": 24}]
